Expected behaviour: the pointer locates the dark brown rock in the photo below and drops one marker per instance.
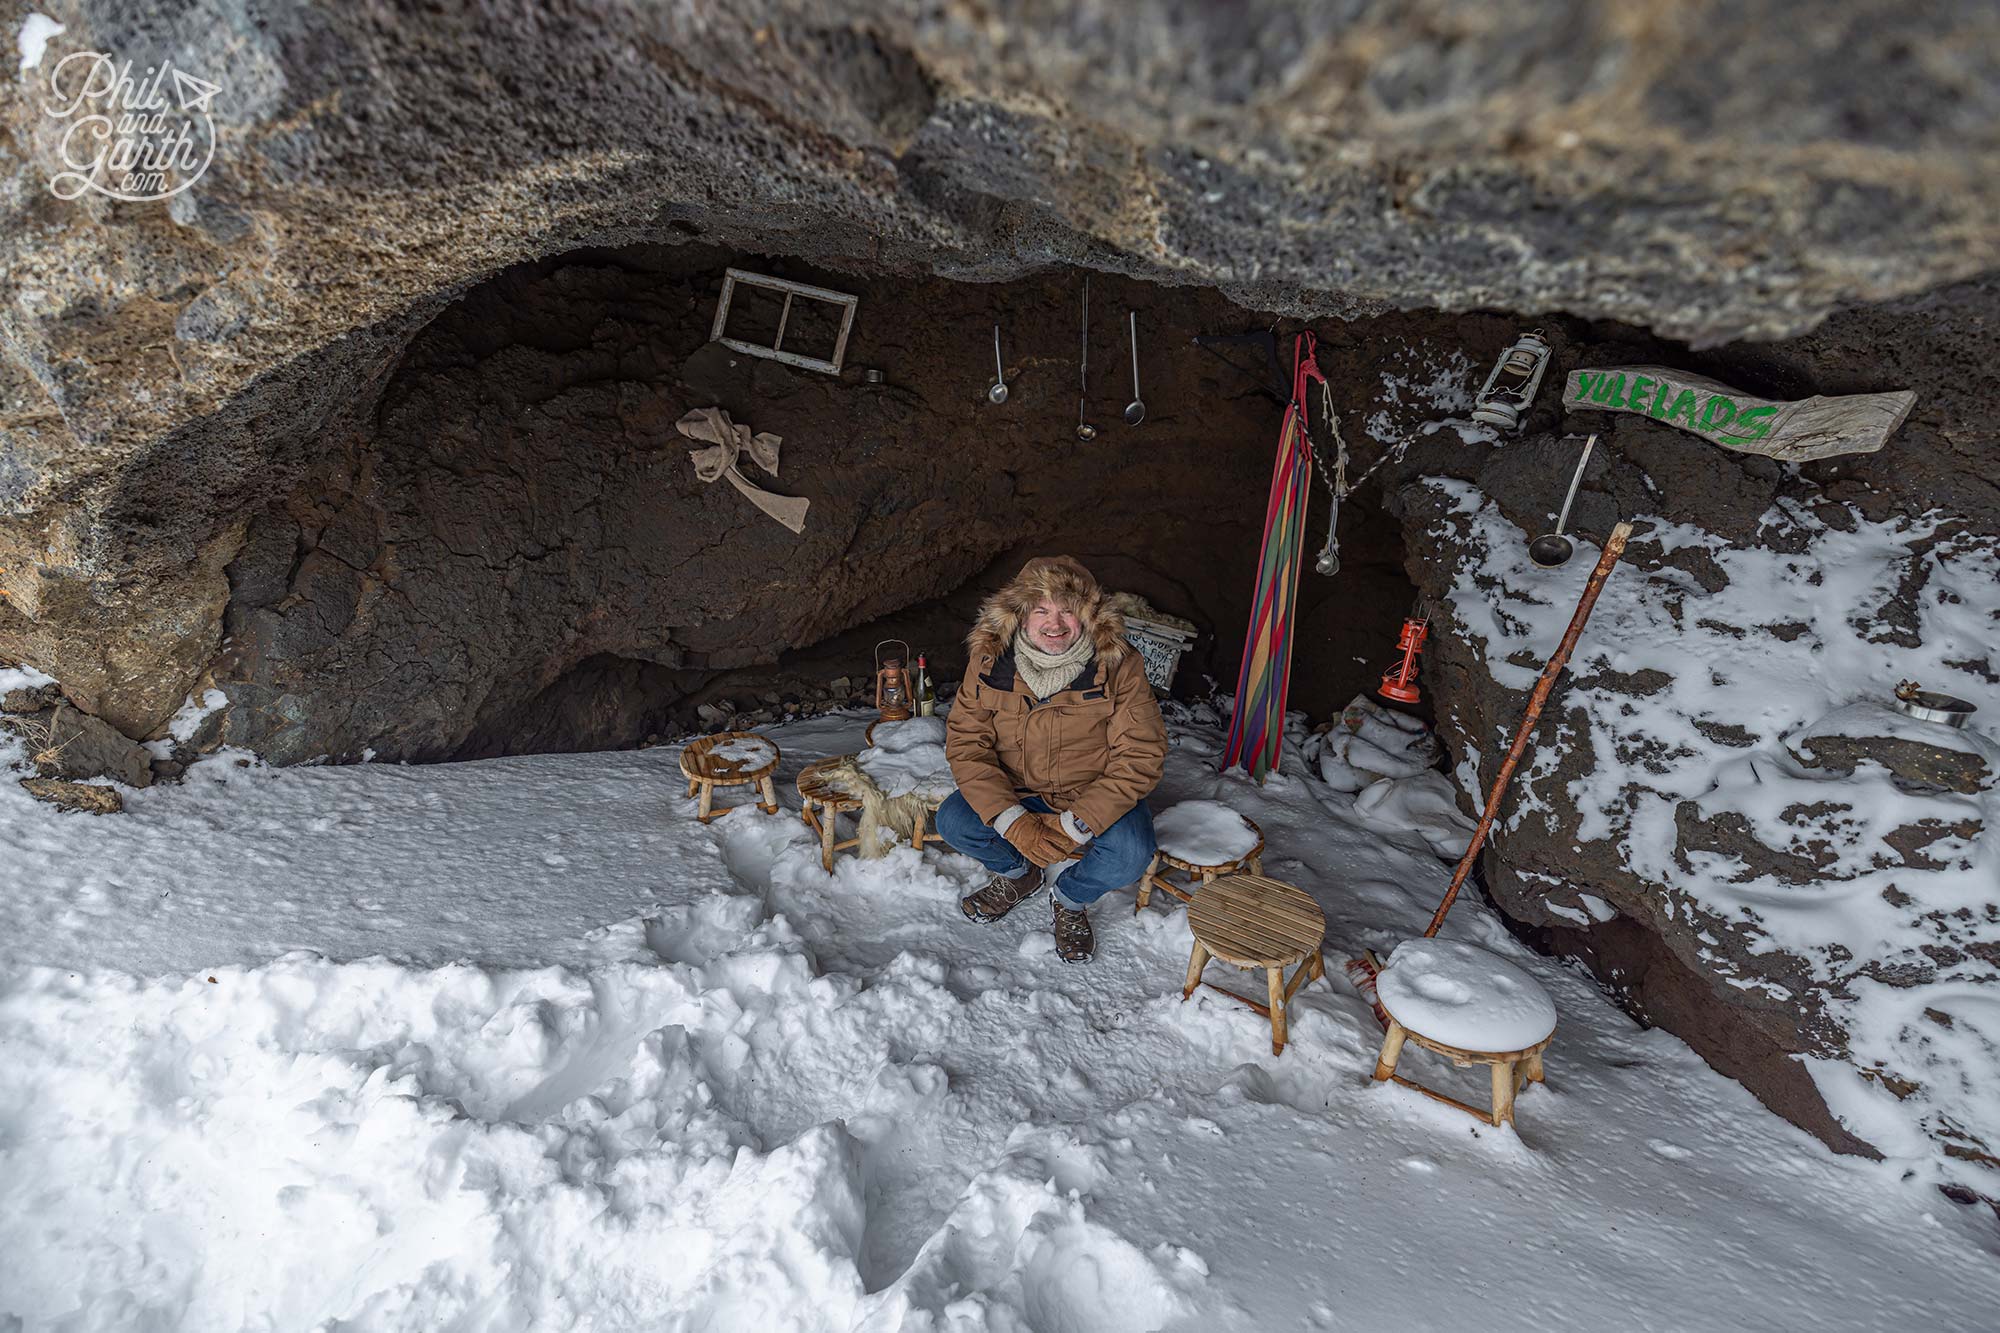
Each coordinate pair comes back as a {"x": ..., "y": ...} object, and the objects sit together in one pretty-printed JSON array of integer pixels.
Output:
[
  {"x": 71, "y": 796},
  {"x": 63, "y": 743}
]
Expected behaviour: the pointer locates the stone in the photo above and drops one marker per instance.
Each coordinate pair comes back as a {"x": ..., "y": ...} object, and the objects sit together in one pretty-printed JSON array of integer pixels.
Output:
[
  {"x": 31, "y": 698},
  {"x": 1919, "y": 765},
  {"x": 63, "y": 743},
  {"x": 69, "y": 796}
]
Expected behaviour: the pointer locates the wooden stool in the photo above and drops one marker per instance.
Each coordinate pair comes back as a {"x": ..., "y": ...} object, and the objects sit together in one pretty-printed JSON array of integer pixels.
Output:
[
  {"x": 1255, "y": 922},
  {"x": 1155, "y": 877},
  {"x": 1473, "y": 996},
  {"x": 1512, "y": 1070},
  {"x": 730, "y": 759},
  {"x": 822, "y": 803}
]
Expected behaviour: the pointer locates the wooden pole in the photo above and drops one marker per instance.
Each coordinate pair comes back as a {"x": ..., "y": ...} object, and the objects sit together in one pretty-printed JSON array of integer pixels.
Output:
[{"x": 1614, "y": 547}]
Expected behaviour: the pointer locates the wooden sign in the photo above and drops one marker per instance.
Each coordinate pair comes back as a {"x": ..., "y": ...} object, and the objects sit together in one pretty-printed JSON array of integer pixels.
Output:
[{"x": 1816, "y": 427}]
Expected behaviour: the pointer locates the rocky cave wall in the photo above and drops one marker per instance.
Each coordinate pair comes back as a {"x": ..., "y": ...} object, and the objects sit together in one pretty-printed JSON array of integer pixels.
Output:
[
  {"x": 511, "y": 552},
  {"x": 1759, "y": 604}
]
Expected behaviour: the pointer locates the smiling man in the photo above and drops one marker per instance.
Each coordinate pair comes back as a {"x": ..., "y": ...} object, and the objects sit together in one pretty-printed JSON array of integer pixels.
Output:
[{"x": 1055, "y": 742}]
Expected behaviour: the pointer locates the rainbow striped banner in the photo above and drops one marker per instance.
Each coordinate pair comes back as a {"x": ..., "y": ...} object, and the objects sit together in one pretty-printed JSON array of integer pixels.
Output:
[{"x": 1257, "y": 726}]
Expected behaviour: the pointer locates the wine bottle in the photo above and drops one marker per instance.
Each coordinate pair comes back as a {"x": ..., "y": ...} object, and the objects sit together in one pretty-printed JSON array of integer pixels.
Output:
[{"x": 926, "y": 691}]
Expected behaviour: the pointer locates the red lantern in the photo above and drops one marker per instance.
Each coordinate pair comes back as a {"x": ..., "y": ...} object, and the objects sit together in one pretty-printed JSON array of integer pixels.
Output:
[
  {"x": 1400, "y": 683},
  {"x": 892, "y": 683}
]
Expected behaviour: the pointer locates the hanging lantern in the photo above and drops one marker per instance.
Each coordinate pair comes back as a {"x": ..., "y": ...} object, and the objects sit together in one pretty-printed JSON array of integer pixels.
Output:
[
  {"x": 892, "y": 682},
  {"x": 1511, "y": 387},
  {"x": 1400, "y": 682}
]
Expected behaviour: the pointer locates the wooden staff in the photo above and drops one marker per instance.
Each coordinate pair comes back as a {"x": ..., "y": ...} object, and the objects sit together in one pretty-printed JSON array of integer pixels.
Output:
[{"x": 1614, "y": 547}]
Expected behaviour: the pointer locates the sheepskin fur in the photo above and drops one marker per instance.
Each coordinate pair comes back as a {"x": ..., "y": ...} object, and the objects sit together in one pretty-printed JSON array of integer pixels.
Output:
[{"x": 1065, "y": 581}]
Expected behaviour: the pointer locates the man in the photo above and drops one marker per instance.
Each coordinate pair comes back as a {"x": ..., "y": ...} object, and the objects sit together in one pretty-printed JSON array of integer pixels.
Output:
[{"x": 1055, "y": 742}]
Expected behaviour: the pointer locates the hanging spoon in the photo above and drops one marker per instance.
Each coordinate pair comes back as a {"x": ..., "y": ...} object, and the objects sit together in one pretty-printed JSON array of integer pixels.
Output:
[
  {"x": 1135, "y": 411},
  {"x": 1552, "y": 548},
  {"x": 1084, "y": 430},
  {"x": 998, "y": 393}
]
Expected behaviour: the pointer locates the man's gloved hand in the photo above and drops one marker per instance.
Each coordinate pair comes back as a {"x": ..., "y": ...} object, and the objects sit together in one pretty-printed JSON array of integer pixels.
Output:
[{"x": 1040, "y": 838}]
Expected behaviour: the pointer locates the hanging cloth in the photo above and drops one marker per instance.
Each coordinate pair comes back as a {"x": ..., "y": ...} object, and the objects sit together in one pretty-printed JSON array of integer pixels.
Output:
[
  {"x": 727, "y": 441},
  {"x": 1257, "y": 727}
]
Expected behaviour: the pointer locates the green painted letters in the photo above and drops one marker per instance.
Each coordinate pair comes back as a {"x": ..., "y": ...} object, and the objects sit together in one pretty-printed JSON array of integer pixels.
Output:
[
  {"x": 1683, "y": 404},
  {"x": 1709, "y": 419},
  {"x": 1636, "y": 400},
  {"x": 1753, "y": 424}
]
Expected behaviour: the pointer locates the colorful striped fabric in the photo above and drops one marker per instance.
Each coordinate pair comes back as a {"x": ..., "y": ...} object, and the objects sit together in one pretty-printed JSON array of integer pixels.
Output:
[{"x": 1257, "y": 727}]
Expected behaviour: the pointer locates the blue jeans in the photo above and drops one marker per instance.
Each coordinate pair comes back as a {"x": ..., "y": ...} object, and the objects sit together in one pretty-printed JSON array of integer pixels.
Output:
[{"x": 1114, "y": 859}]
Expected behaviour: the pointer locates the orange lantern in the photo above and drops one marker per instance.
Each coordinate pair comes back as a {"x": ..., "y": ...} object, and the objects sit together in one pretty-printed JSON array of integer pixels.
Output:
[{"x": 892, "y": 683}]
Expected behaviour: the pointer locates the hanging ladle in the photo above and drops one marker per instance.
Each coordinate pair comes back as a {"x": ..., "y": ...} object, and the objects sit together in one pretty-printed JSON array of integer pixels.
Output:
[
  {"x": 998, "y": 393},
  {"x": 1135, "y": 411},
  {"x": 1552, "y": 548},
  {"x": 1084, "y": 430}
]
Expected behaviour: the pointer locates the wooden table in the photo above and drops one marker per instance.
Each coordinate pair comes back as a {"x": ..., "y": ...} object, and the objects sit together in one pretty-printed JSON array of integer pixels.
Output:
[
  {"x": 706, "y": 769},
  {"x": 1259, "y": 923}
]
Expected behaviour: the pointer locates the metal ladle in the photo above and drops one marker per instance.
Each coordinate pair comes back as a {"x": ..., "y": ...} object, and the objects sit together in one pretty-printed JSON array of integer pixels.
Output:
[
  {"x": 1552, "y": 548},
  {"x": 998, "y": 393},
  {"x": 1135, "y": 411},
  {"x": 1084, "y": 430}
]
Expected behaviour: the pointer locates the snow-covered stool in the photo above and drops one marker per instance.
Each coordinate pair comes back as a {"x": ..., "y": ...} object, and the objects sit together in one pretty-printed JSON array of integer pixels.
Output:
[
  {"x": 1473, "y": 1008},
  {"x": 1204, "y": 840},
  {"x": 1257, "y": 923},
  {"x": 730, "y": 759}
]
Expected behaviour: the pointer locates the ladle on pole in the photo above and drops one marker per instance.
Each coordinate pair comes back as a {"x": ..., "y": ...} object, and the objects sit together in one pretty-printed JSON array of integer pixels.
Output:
[
  {"x": 1135, "y": 411},
  {"x": 1552, "y": 549},
  {"x": 998, "y": 393},
  {"x": 1084, "y": 430}
]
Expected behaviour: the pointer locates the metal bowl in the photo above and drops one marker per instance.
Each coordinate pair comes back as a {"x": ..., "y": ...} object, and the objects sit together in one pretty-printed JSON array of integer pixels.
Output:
[{"x": 1930, "y": 706}]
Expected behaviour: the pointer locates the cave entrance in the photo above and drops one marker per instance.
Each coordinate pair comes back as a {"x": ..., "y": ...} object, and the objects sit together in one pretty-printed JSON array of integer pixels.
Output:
[{"x": 513, "y": 553}]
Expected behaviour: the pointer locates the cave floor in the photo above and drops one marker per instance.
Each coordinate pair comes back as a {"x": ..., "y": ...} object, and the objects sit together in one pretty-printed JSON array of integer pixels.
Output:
[{"x": 518, "y": 1044}]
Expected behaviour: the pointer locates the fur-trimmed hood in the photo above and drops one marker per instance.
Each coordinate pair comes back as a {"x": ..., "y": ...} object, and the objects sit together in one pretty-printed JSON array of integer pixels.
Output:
[{"x": 1064, "y": 580}]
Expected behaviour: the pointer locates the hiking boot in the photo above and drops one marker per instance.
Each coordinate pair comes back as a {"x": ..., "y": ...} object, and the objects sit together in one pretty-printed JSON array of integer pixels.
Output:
[
  {"x": 1074, "y": 941},
  {"x": 1000, "y": 896}
]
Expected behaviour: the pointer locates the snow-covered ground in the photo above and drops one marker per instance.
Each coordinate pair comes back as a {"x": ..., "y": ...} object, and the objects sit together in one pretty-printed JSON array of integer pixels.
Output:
[{"x": 520, "y": 1045}]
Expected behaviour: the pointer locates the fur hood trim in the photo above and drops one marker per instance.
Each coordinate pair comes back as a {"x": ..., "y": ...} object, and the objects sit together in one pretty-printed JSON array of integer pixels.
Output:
[{"x": 1064, "y": 580}]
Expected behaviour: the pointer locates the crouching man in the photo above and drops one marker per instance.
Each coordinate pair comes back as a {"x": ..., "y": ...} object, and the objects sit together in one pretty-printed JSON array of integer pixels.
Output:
[{"x": 1055, "y": 742}]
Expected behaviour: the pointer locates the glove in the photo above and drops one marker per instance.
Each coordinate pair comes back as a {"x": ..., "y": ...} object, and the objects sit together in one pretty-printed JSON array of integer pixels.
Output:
[{"x": 1040, "y": 838}]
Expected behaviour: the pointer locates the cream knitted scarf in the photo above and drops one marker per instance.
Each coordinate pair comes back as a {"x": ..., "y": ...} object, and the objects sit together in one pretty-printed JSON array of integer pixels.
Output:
[{"x": 1046, "y": 673}]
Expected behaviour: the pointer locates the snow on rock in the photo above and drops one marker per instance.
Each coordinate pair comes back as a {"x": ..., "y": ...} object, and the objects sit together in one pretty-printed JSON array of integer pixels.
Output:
[
  {"x": 1420, "y": 385},
  {"x": 1464, "y": 996},
  {"x": 33, "y": 39},
  {"x": 1424, "y": 803},
  {"x": 23, "y": 678},
  {"x": 909, "y": 757},
  {"x": 1720, "y": 758},
  {"x": 186, "y": 722},
  {"x": 1203, "y": 833}
]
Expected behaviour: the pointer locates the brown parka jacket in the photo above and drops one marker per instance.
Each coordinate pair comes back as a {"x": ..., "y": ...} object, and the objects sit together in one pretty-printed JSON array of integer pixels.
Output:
[{"x": 1094, "y": 749}]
